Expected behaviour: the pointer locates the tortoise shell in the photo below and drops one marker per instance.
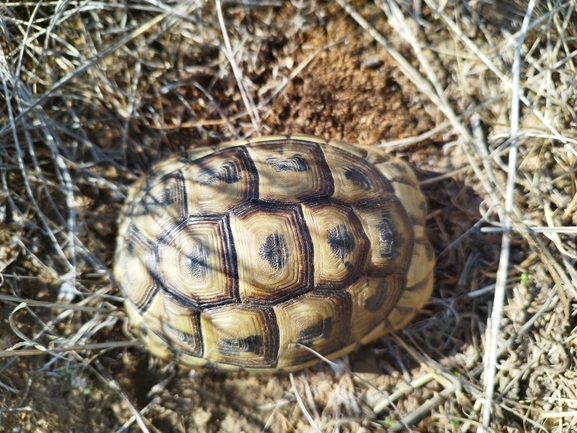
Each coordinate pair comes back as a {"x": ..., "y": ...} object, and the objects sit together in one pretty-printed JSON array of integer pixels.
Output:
[{"x": 248, "y": 254}]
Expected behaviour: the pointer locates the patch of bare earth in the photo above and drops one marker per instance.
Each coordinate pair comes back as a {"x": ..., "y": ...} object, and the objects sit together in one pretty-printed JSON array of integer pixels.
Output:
[{"x": 93, "y": 93}]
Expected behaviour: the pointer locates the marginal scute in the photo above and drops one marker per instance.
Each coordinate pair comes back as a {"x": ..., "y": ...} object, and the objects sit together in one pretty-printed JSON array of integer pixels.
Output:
[
  {"x": 230, "y": 144},
  {"x": 239, "y": 335},
  {"x": 198, "y": 152},
  {"x": 320, "y": 321},
  {"x": 136, "y": 267},
  {"x": 357, "y": 151},
  {"x": 256, "y": 254},
  {"x": 307, "y": 138},
  {"x": 421, "y": 265},
  {"x": 191, "y": 361},
  {"x": 168, "y": 166},
  {"x": 396, "y": 168},
  {"x": 177, "y": 325},
  {"x": 181, "y": 326},
  {"x": 376, "y": 156},
  {"x": 413, "y": 209},
  {"x": 157, "y": 345},
  {"x": 268, "y": 139},
  {"x": 372, "y": 300},
  {"x": 400, "y": 317},
  {"x": 406, "y": 187}
]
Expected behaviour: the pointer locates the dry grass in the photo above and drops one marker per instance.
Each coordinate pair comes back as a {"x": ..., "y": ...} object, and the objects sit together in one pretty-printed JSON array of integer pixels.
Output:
[{"x": 92, "y": 93}]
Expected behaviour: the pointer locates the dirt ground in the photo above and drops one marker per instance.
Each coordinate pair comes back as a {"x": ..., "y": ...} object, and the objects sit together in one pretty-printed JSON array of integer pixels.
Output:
[{"x": 120, "y": 86}]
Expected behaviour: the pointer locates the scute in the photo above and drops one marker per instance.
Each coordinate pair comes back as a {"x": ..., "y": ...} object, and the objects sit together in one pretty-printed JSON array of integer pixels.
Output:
[
  {"x": 373, "y": 299},
  {"x": 340, "y": 245},
  {"x": 221, "y": 181},
  {"x": 391, "y": 237},
  {"x": 136, "y": 266},
  {"x": 162, "y": 206},
  {"x": 196, "y": 262},
  {"x": 274, "y": 250},
  {"x": 240, "y": 335},
  {"x": 254, "y": 254},
  {"x": 174, "y": 323},
  {"x": 355, "y": 181},
  {"x": 320, "y": 321},
  {"x": 290, "y": 171}
]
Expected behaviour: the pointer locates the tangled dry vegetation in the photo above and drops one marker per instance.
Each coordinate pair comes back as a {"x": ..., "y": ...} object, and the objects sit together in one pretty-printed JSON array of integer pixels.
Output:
[{"x": 480, "y": 101}]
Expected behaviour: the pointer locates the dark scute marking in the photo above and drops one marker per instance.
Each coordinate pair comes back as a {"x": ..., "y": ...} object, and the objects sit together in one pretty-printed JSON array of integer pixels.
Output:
[
  {"x": 357, "y": 177},
  {"x": 390, "y": 241},
  {"x": 322, "y": 329},
  {"x": 234, "y": 346},
  {"x": 152, "y": 203},
  {"x": 184, "y": 337},
  {"x": 340, "y": 241},
  {"x": 197, "y": 261},
  {"x": 274, "y": 251},
  {"x": 229, "y": 172},
  {"x": 295, "y": 163},
  {"x": 375, "y": 302},
  {"x": 130, "y": 246},
  {"x": 400, "y": 167}
]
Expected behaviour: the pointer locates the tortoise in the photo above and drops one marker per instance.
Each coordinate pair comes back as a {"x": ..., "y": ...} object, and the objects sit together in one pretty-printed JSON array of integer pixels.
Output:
[{"x": 259, "y": 254}]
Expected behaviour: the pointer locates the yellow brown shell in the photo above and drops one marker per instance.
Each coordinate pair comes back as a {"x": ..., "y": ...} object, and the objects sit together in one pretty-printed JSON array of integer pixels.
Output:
[{"x": 247, "y": 254}]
